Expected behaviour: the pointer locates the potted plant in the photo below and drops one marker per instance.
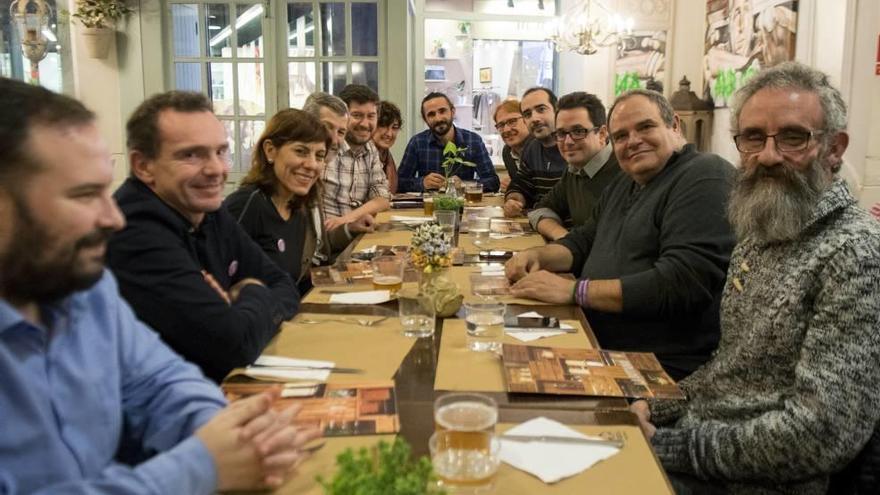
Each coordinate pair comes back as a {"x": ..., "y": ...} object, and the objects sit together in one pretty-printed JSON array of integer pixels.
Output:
[
  {"x": 387, "y": 469},
  {"x": 453, "y": 160},
  {"x": 99, "y": 18}
]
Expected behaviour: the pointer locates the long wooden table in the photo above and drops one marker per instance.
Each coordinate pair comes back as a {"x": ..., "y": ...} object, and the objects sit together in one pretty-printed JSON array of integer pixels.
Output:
[{"x": 415, "y": 390}]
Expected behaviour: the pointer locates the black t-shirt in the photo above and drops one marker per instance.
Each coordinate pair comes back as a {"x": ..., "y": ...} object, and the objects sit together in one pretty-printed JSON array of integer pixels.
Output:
[{"x": 281, "y": 240}]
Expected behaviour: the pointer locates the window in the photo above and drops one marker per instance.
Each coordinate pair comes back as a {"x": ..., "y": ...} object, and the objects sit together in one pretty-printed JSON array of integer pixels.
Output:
[{"x": 253, "y": 58}]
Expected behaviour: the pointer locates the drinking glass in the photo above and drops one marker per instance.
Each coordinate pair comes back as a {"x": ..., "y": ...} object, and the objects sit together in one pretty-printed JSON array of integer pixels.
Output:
[
  {"x": 388, "y": 273},
  {"x": 428, "y": 205},
  {"x": 485, "y": 325},
  {"x": 447, "y": 219},
  {"x": 463, "y": 470},
  {"x": 480, "y": 228},
  {"x": 473, "y": 193},
  {"x": 416, "y": 313}
]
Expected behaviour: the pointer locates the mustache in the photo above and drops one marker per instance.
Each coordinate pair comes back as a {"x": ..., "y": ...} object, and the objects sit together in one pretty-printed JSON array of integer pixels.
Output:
[{"x": 94, "y": 239}]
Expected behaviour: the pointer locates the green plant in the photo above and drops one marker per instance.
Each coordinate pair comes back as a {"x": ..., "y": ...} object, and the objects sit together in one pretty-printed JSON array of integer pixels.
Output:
[
  {"x": 387, "y": 469},
  {"x": 453, "y": 159},
  {"x": 100, "y": 13},
  {"x": 448, "y": 203}
]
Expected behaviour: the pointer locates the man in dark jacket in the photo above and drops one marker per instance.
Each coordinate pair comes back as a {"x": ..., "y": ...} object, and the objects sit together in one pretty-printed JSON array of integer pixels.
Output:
[
  {"x": 652, "y": 259},
  {"x": 183, "y": 263}
]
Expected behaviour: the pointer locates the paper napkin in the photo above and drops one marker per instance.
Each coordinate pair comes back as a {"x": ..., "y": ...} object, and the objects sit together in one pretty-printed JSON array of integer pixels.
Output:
[
  {"x": 532, "y": 335},
  {"x": 266, "y": 371},
  {"x": 365, "y": 297},
  {"x": 410, "y": 220},
  {"x": 547, "y": 460}
]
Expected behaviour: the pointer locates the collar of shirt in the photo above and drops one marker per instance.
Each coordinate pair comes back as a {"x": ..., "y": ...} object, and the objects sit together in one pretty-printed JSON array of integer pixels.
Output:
[
  {"x": 594, "y": 165},
  {"x": 11, "y": 317}
]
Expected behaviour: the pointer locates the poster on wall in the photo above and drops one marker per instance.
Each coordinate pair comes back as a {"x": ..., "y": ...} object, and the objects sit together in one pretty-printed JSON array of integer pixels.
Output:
[
  {"x": 742, "y": 37},
  {"x": 640, "y": 62}
]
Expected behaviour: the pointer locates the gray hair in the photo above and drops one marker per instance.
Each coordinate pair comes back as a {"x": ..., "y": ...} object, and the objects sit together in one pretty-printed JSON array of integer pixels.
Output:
[
  {"x": 798, "y": 76},
  {"x": 319, "y": 99},
  {"x": 659, "y": 101}
]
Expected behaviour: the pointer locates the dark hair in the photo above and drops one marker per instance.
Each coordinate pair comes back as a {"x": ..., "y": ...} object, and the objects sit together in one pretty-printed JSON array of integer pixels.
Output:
[
  {"x": 550, "y": 95},
  {"x": 358, "y": 93},
  {"x": 431, "y": 96},
  {"x": 23, "y": 106},
  {"x": 388, "y": 114},
  {"x": 581, "y": 99},
  {"x": 667, "y": 113},
  {"x": 142, "y": 128},
  {"x": 285, "y": 127}
]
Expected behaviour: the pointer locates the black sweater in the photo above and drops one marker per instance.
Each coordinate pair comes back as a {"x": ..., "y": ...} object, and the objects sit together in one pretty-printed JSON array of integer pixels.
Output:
[
  {"x": 158, "y": 259},
  {"x": 669, "y": 243}
]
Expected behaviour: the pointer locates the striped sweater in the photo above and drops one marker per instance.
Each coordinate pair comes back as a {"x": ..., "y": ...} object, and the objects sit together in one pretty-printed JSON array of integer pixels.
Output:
[
  {"x": 793, "y": 391},
  {"x": 539, "y": 170}
]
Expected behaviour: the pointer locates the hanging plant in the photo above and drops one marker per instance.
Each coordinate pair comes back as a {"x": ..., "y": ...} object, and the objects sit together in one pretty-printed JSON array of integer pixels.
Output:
[{"x": 100, "y": 14}]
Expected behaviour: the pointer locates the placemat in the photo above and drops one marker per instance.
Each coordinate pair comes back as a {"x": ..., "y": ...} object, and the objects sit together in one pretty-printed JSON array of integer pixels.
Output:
[
  {"x": 518, "y": 243},
  {"x": 378, "y": 350},
  {"x": 459, "y": 368},
  {"x": 633, "y": 470},
  {"x": 323, "y": 462},
  {"x": 461, "y": 275},
  {"x": 390, "y": 238}
]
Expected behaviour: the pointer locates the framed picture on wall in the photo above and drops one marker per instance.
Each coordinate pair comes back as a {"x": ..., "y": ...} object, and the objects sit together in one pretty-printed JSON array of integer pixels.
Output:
[
  {"x": 743, "y": 37},
  {"x": 641, "y": 62},
  {"x": 485, "y": 75}
]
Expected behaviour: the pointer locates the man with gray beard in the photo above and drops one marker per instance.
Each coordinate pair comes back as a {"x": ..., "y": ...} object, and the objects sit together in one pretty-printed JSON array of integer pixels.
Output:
[{"x": 793, "y": 392}]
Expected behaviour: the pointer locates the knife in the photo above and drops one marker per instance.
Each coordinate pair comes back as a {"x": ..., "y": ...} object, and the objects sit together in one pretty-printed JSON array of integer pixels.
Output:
[
  {"x": 333, "y": 369},
  {"x": 561, "y": 439},
  {"x": 539, "y": 329}
]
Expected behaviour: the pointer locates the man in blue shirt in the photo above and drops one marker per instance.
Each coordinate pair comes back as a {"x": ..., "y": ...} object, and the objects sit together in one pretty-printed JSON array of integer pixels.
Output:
[
  {"x": 420, "y": 168},
  {"x": 83, "y": 379}
]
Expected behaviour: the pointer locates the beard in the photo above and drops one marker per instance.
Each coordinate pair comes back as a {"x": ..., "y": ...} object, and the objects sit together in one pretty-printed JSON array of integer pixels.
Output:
[
  {"x": 774, "y": 204},
  {"x": 441, "y": 127},
  {"x": 36, "y": 269}
]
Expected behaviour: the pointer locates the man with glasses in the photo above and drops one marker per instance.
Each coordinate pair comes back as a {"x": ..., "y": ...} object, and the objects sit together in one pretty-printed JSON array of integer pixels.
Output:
[
  {"x": 420, "y": 168},
  {"x": 652, "y": 257},
  {"x": 512, "y": 128},
  {"x": 355, "y": 184},
  {"x": 795, "y": 384},
  {"x": 542, "y": 164},
  {"x": 583, "y": 140}
]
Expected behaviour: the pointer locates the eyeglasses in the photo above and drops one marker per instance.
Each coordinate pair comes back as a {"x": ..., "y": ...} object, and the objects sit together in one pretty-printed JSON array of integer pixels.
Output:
[
  {"x": 786, "y": 141},
  {"x": 507, "y": 123},
  {"x": 576, "y": 134}
]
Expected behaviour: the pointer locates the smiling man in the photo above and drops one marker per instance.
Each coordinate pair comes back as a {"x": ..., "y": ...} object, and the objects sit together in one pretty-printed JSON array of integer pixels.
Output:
[
  {"x": 652, "y": 257},
  {"x": 354, "y": 184},
  {"x": 512, "y": 127},
  {"x": 582, "y": 138},
  {"x": 183, "y": 263},
  {"x": 793, "y": 393},
  {"x": 420, "y": 168}
]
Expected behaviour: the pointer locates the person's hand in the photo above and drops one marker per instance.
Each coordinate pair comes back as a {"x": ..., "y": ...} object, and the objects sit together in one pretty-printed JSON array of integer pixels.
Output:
[
  {"x": 235, "y": 290},
  {"x": 513, "y": 208},
  {"x": 544, "y": 286},
  {"x": 366, "y": 223},
  {"x": 505, "y": 182},
  {"x": 643, "y": 412},
  {"x": 332, "y": 222},
  {"x": 521, "y": 264},
  {"x": 279, "y": 441},
  {"x": 212, "y": 282},
  {"x": 433, "y": 181},
  {"x": 238, "y": 462}
]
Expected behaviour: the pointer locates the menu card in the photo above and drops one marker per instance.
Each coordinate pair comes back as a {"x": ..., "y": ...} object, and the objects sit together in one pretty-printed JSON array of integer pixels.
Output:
[
  {"x": 338, "y": 409},
  {"x": 562, "y": 371}
]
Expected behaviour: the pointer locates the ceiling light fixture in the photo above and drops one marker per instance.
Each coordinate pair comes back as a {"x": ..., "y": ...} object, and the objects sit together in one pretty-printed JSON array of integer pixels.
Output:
[{"x": 589, "y": 26}]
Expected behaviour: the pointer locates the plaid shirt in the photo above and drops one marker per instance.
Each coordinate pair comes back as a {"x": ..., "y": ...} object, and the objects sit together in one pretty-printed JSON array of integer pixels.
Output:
[
  {"x": 352, "y": 179},
  {"x": 424, "y": 153}
]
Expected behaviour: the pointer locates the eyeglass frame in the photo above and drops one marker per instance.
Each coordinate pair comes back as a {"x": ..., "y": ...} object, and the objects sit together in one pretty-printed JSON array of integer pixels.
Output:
[
  {"x": 571, "y": 133},
  {"x": 500, "y": 126},
  {"x": 809, "y": 137}
]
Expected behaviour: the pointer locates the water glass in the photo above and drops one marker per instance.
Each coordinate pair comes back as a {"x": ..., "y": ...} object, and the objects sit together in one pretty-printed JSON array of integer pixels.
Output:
[
  {"x": 485, "y": 325},
  {"x": 416, "y": 311},
  {"x": 388, "y": 273},
  {"x": 447, "y": 219},
  {"x": 480, "y": 228}
]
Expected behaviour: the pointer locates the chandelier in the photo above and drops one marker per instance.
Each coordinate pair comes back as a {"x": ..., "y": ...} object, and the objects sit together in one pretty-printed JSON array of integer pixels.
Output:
[{"x": 589, "y": 26}]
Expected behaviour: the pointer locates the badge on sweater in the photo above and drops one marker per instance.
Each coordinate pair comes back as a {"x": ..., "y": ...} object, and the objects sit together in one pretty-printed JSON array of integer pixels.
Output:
[
  {"x": 233, "y": 267},
  {"x": 281, "y": 246}
]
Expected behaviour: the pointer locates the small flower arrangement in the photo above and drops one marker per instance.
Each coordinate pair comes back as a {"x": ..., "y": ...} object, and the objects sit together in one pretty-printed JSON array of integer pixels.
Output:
[{"x": 431, "y": 247}]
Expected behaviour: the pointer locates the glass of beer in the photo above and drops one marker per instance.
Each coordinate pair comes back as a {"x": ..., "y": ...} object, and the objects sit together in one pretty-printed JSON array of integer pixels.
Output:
[
  {"x": 473, "y": 193},
  {"x": 429, "y": 205},
  {"x": 464, "y": 450},
  {"x": 388, "y": 273},
  {"x": 485, "y": 325}
]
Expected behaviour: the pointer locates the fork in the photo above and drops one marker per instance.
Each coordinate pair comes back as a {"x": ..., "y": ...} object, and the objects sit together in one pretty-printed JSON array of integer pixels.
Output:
[{"x": 364, "y": 322}]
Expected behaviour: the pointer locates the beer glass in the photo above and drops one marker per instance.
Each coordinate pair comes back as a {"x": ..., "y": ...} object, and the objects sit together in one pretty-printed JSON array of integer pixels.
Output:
[
  {"x": 473, "y": 193},
  {"x": 388, "y": 273},
  {"x": 464, "y": 449},
  {"x": 428, "y": 203}
]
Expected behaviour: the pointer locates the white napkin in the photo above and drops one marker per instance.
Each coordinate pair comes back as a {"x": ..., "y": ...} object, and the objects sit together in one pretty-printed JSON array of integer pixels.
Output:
[
  {"x": 286, "y": 374},
  {"x": 492, "y": 269},
  {"x": 529, "y": 336},
  {"x": 547, "y": 460},
  {"x": 365, "y": 297},
  {"x": 410, "y": 220}
]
